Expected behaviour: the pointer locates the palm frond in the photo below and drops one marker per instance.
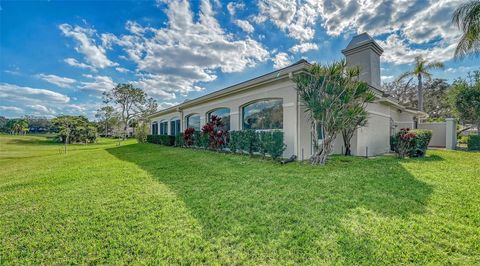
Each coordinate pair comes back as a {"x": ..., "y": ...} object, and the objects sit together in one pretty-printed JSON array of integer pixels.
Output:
[
  {"x": 405, "y": 75},
  {"x": 467, "y": 19}
]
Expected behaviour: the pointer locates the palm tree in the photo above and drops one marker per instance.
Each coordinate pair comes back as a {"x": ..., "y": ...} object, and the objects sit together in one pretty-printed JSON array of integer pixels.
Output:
[
  {"x": 420, "y": 71},
  {"x": 467, "y": 18}
]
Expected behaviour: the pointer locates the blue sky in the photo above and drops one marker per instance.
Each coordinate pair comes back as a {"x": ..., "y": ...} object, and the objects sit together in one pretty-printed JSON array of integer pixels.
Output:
[{"x": 57, "y": 57}]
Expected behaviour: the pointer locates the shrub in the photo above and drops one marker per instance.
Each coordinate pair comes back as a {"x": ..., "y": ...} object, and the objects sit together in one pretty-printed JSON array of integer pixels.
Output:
[
  {"x": 405, "y": 142},
  {"x": 473, "y": 143},
  {"x": 265, "y": 141},
  {"x": 422, "y": 139},
  {"x": 179, "y": 140},
  {"x": 276, "y": 146},
  {"x": 271, "y": 142},
  {"x": 215, "y": 132},
  {"x": 188, "y": 137},
  {"x": 165, "y": 140},
  {"x": 413, "y": 143},
  {"x": 201, "y": 140},
  {"x": 233, "y": 141},
  {"x": 462, "y": 139},
  {"x": 248, "y": 141}
]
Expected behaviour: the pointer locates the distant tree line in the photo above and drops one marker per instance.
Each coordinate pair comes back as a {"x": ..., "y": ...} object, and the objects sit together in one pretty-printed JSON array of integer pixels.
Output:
[{"x": 27, "y": 124}]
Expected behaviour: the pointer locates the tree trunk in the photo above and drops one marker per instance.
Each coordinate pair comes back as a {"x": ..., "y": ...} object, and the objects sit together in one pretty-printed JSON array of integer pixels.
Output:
[
  {"x": 420, "y": 93},
  {"x": 347, "y": 136},
  {"x": 66, "y": 143},
  {"x": 320, "y": 156}
]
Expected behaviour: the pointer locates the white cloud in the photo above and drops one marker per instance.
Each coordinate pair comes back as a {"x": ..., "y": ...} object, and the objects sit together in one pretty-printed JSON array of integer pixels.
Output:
[
  {"x": 303, "y": 47},
  {"x": 41, "y": 109},
  {"x": 94, "y": 54},
  {"x": 232, "y": 7},
  {"x": 296, "y": 20},
  {"x": 398, "y": 51},
  {"x": 57, "y": 80},
  {"x": 122, "y": 70},
  {"x": 244, "y": 25},
  {"x": 12, "y": 92},
  {"x": 75, "y": 63},
  {"x": 98, "y": 83},
  {"x": 11, "y": 109},
  {"x": 281, "y": 60},
  {"x": 412, "y": 23},
  {"x": 174, "y": 59}
]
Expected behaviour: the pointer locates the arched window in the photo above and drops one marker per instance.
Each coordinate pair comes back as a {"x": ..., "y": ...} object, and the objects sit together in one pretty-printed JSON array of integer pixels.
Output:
[
  {"x": 174, "y": 126},
  {"x": 193, "y": 121},
  {"x": 163, "y": 127},
  {"x": 223, "y": 113},
  {"x": 154, "y": 128},
  {"x": 263, "y": 114}
]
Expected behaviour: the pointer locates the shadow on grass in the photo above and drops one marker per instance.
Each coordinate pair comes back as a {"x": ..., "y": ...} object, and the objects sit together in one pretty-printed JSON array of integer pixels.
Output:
[
  {"x": 32, "y": 140},
  {"x": 294, "y": 212}
]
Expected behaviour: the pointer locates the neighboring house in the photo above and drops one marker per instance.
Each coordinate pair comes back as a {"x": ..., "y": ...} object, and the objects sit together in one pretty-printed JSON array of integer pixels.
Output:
[{"x": 271, "y": 102}]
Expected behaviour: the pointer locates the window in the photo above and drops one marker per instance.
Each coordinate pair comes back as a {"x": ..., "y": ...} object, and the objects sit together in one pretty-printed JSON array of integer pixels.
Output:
[
  {"x": 263, "y": 114},
  {"x": 174, "y": 126},
  {"x": 223, "y": 113},
  {"x": 193, "y": 121},
  {"x": 163, "y": 127},
  {"x": 154, "y": 128}
]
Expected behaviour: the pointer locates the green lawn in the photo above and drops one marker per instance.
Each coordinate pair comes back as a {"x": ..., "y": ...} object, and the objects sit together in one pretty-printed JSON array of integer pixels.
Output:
[{"x": 147, "y": 204}]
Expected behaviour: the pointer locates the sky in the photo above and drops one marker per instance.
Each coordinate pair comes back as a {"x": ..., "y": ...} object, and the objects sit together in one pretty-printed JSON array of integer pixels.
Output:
[{"x": 58, "y": 57}]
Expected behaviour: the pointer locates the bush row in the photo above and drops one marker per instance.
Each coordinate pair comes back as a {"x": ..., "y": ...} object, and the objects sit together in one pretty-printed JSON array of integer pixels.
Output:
[
  {"x": 165, "y": 140},
  {"x": 241, "y": 141},
  {"x": 411, "y": 143},
  {"x": 251, "y": 141}
]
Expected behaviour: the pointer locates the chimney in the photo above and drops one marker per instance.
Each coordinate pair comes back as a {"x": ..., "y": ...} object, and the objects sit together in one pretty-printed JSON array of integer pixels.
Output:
[{"x": 364, "y": 52}]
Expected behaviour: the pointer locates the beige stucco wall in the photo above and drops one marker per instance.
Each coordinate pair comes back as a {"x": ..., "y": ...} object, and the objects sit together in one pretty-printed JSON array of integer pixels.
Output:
[
  {"x": 296, "y": 124},
  {"x": 283, "y": 89},
  {"x": 438, "y": 133}
]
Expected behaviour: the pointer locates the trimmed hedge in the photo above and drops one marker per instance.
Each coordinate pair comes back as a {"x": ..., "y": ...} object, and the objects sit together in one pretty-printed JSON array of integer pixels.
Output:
[
  {"x": 412, "y": 143},
  {"x": 241, "y": 141},
  {"x": 179, "y": 142},
  {"x": 421, "y": 142},
  {"x": 473, "y": 143},
  {"x": 251, "y": 141},
  {"x": 165, "y": 140}
]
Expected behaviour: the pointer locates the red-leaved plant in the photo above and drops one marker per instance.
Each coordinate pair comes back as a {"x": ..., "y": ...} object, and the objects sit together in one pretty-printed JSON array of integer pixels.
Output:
[
  {"x": 406, "y": 141},
  {"x": 188, "y": 136},
  {"x": 216, "y": 132}
]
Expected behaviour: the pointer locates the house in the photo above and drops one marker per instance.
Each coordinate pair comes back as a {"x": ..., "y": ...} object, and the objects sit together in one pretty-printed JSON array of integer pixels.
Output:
[{"x": 271, "y": 102}]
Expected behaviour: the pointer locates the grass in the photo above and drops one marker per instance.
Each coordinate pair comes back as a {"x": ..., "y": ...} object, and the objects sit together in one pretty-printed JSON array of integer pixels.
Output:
[{"x": 147, "y": 204}]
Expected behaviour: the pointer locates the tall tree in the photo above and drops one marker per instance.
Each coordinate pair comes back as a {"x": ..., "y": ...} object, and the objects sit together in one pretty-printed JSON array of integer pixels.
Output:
[
  {"x": 20, "y": 126},
  {"x": 3, "y": 124},
  {"x": 436, "y": 103},
  {"x": 420, "y": 71},
  {"x": 105, "y": 116},
  {"x": 128, "y": 99},
  {"x": 467, "y": 19},
  {"x": 74, "y": 129},
  {"x": 143, "y": 118},
  {"x": 327, "y": 93},
  {"x": 466, "y": 99}
]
